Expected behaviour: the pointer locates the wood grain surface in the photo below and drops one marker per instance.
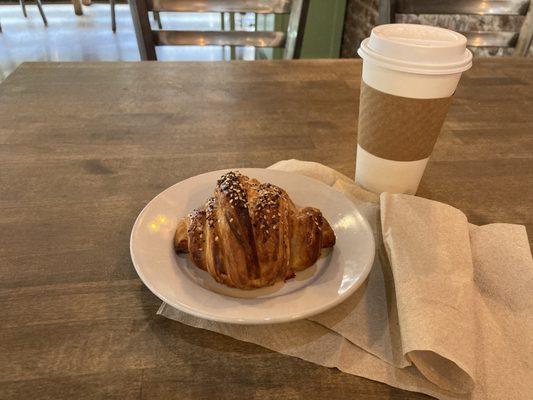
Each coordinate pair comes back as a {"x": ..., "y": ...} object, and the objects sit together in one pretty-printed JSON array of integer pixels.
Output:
[{"x": 84, "y": 146}]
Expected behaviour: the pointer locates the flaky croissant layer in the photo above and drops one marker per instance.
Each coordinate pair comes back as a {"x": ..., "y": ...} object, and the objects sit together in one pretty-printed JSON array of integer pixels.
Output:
[{"x": 250, "y": 234}]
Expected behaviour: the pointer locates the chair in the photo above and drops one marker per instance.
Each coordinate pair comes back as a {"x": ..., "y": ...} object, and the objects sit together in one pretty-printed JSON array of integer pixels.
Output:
[
  {"x": 291, "y": 40},
  {"x": 39, "y": 6},
  {"x": 112, "y": 3},
  {"x": 519, "y": 40}
]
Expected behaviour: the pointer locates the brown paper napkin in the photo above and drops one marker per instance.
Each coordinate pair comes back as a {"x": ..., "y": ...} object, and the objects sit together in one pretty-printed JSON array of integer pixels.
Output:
[
  {"x": 428, "y": 246},
  {"x": 451, "y": 316}
]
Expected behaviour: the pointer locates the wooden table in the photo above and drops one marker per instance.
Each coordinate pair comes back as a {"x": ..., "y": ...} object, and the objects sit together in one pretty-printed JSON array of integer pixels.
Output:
[{"x": 83, "y": 147}]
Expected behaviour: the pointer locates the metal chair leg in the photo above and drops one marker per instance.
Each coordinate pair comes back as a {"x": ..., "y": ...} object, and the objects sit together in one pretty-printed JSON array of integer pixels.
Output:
[
  {"x": 23, "y": 5},
  {"x": 233, "y": 50},
  {"x": 157, "y": 18},
  {"x": 113, "y": 19},
  {"x": 41, "y": 11}
]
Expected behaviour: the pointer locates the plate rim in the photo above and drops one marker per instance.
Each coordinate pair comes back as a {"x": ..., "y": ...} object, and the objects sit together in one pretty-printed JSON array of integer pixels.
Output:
[{"x": 248, "y": 320}]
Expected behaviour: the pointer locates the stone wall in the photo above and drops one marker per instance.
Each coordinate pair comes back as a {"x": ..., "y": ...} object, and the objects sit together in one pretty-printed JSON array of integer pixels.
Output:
[{"x": 362, "y": 15}]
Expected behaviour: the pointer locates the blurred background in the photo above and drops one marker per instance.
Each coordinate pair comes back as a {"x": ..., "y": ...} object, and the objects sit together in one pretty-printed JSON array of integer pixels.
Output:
[{"x": 82, "y": 30}]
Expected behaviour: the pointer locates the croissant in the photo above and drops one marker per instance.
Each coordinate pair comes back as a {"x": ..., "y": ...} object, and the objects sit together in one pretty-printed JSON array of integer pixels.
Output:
[{"x": 250, "y": 234}]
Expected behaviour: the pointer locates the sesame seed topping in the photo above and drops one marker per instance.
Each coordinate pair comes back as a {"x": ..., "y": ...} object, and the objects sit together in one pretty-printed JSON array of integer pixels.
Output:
[{"x": 231, "y": 185}]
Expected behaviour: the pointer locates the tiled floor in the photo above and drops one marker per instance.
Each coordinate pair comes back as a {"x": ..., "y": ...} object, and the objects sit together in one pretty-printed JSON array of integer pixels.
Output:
[{"x": 89, "y": 37}]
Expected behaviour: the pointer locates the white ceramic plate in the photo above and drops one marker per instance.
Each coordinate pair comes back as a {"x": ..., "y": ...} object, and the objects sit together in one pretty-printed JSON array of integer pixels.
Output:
[{"x": 176, "y": 281}]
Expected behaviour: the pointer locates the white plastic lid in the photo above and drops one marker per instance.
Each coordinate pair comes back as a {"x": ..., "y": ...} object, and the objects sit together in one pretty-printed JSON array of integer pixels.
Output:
[{"x": 418, "y": 49}]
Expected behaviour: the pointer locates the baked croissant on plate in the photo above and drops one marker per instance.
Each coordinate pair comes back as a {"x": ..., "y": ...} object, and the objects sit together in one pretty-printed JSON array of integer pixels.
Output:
[{"x": 250, "y": 234}]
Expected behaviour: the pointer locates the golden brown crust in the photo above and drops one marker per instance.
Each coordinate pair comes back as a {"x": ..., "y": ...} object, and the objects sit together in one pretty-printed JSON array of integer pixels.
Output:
[
  {"x": 196, "y": 238},
  {"x": 306, "y": 241},
  {"x": 328, "y": 236},
  {"x": 250, "y": 235},
  {"x": 181, "y": 242}
]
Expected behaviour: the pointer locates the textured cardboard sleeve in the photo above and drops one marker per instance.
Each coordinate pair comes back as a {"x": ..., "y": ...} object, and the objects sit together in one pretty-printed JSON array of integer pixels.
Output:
[{"x": 399, "y": 128}]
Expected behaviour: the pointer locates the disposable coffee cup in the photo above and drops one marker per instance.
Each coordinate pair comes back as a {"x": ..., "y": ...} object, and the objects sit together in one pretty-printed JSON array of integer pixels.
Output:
[{"x": 410, "y": 73}]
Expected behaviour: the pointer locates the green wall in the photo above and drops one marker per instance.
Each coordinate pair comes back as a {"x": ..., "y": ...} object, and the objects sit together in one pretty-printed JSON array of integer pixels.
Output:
[{"x": 323, "y": 31}]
